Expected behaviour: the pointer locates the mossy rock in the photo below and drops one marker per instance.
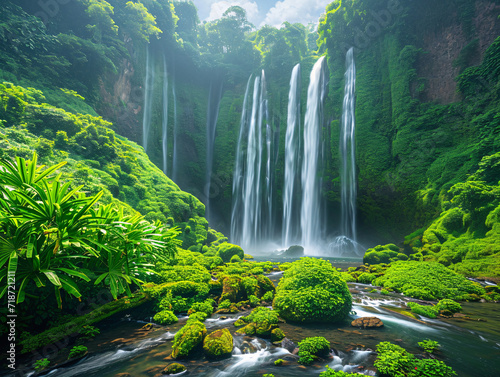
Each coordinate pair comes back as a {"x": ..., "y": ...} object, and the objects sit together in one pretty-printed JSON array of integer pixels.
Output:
[
  {"x": 277, "y": 335},
  {"x": 174, "y": 368},
  {"x": 383, "y": 254},
  {"x": 311, "y": 290},
  {"x": 218, "y": 344},
  {"x": 227, "y": 251},
  {"x": 188, "y": 338},
  {"x": 232, "y": 289}
]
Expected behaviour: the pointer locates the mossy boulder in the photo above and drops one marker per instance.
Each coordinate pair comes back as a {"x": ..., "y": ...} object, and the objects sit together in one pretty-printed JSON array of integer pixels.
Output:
[
  {"x": 188, "y": 339},
  {"x": 218, "y": 344},
  {"x": 428, "y": 281},
  {"x": 312, "y": 348},
  {"x": 232, "y": 289},
  {"x": 261, "y": 321},
  {"x": 277, "y": 335},
  {"x": 311, "y": 290},
  {"x": 383, "y": 254},
  {"x": 227, "y": 250},
  {"x": 173, "y": 368},
  {"x": 165, "y": 317}
]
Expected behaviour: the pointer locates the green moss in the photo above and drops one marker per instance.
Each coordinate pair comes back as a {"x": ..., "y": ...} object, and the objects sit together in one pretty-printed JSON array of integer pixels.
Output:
[
  {"x": 188, "y": 338},
  {"x": 165, "y": 317},
  {"x": 428, "y": 281},
  {"x": 218, "y": 344},
  {"x": 313, "y": 347},
  {"x": 311, "y": 290},
  {"x": 226, "y": 251}
]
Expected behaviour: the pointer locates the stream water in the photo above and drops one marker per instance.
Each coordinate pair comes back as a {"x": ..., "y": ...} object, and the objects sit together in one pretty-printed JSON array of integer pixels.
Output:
[{"x": 471, "y": 347}]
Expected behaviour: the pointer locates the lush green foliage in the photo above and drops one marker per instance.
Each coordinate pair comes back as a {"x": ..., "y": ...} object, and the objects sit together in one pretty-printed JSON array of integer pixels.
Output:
[
  {"x": 313, "y": 347},
  {"x": 41, "y": 364},
  {"x": 395, "y": 361},
  {"x": 226, "y": 251},
  {"x": 311, "y": 290},
  {"x": 428, "y": 345},
  {"x": 188, "y": 338},
  {"x": 261, "y": 321},
  {"x": 165, "y": 317},
  {"x": 384, "y": 254},
  {"x": 329, "y": 372},
  {"x": 218, "y": 344},
  {"x": 53, "y": 234},
  {"x": 428, "y": 281},
  {"x": 77, "y": 351},
  {"x": 429, "y": 311}
]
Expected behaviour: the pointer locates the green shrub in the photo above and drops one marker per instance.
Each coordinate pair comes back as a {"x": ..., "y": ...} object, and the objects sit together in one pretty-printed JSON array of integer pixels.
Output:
[
  {"x": 226, "y": 304},
  {"x": 198, "y": 316},
  {"x": 383, "y": 254},
  {"x": 393, "y": 360},
  {"x": 89, "y": 332},
  {"x": 268, "y": 296},
  {"x": 311, "y": 290},
  {"x": 427, "y": 280},
  {"x": 77, "y": 351},
  {"x": 206, "y": 307},
  {"x": 313, "y": 347},
  {"x": 41, "y": 364},
  {"x": 329, "y": 372},
  {"x": 432, "y": 368},
  {"x": 428, "y": 345},
  {"x": 165, "y": 317},
  {"x": 384, "y": 291},
  {"x": 428, "y": 311},
  {"x": 366, "y": 278},
  {"x": 227, "y": 250},
  {"x": 449, "y": 306}
]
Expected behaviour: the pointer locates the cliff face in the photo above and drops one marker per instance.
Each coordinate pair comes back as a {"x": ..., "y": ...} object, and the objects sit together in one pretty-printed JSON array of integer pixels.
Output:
[{"x": 452, "y": 48}]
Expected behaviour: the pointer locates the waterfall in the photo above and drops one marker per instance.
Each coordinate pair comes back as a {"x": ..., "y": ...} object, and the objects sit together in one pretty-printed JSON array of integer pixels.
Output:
[
  {"x": 347, "y": 151},
  {"x": 237, "y": 193},
  {"x": 148, "y": 98},
  {"x": 290, "y": 227},
  {"x": 212, "y": 116},
  {"x": 175, "y": 157},
  {"x": 253, "y": 219},
  {"x": 164, "y": 138},
  {"x": 346, "y": 244},
  {"x": 311, "y": 205}
]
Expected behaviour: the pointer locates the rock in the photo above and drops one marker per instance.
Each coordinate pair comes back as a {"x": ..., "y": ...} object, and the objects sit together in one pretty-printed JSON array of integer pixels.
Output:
[
  {"x": 174, "y": 368},
  {"x": 123, "y": 375},
  {"x": 218, "y": 344},
  {"x": 277, "y": 335},
  {"x": 188, "y": 338},
  {"x": 294, "y": 251},
  {"x": 288, "y": 345},
  {"x": 247, "y": 347},
  {"x": 367, "y": 322},
  {"x": 147, "y": 327}
]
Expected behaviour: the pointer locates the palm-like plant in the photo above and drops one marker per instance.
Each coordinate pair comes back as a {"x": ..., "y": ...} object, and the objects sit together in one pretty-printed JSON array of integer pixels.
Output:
[{"x": 50, "y": 233}]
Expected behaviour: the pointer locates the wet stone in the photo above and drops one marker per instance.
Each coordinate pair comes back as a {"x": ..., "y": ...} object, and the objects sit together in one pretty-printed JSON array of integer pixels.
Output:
[{"x": 367, "y": 322}]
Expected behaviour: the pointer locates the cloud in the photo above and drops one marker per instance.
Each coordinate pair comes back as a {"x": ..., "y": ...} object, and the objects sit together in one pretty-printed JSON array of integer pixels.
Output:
[
  {"x": 295, "y": 11},
  {"x": 218, "y": 8}
]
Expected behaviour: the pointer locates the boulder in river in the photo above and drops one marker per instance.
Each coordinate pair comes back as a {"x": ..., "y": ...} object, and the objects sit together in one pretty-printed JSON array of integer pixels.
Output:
[
  {"x": 174, "y": 368},
  {"x": 367, "y": 322}
]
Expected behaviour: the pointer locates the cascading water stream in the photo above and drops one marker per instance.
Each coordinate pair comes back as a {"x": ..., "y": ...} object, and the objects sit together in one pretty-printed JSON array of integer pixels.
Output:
[
  {"x": 254, "y": 220},
  {"x": 175, "y": 157},
  {"x": 311, "y": 205},
  {"x": 249, "y": 192},
  {"x": 164, "y": 137},
  {"x": 347, "y": 150},
  {"x": 148, "y": 98},
  {"x": 346, "y": 244},
  {"x": 291, "y": 202},
  {"x": 214, "y": 98},
  {"x": 237, "y": 193}
]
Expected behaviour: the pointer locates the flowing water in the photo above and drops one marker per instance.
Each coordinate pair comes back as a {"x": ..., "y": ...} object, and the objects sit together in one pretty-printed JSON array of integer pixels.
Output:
[
  {"x": 175, "y": 159},
  {"x": 164, "y": 137},
  {"x": 471, "y": 352},
  {"x": 310, "y": 218},
  {"x": 238, "y": 183},
  {"x": 148, "y": 98},
  {"x": 214, "y": 97},
  {"x": 291, "y": 199}
]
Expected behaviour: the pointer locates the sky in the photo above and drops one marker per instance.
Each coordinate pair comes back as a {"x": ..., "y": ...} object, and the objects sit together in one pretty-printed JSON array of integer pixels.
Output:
[{"x": 266, "y": 12}]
